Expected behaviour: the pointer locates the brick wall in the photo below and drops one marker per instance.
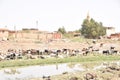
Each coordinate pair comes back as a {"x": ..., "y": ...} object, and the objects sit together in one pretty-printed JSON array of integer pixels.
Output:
[{"x": 4, "y": 33}]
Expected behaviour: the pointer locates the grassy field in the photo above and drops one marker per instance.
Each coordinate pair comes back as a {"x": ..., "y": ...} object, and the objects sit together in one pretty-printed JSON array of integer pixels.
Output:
[{"x": 80, "y": 59}]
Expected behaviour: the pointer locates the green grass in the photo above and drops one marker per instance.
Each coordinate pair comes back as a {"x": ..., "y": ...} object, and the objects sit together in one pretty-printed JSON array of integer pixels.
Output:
[
  {"x": 81, "y": 39},
  {"x": 81, "y": 59}
]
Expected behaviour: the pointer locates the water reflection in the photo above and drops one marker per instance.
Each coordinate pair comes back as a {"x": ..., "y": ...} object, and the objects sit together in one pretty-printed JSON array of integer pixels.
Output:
[
  {"x": 36, "y": 71},
  {"x": 11, "y": 71}
]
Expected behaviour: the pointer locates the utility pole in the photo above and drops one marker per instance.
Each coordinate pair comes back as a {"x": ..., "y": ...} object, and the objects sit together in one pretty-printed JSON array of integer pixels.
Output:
[
  {"x": 38, "y": 30},
  {"x": 37, "y": 24},
  {"x": 15, "y": 32}
]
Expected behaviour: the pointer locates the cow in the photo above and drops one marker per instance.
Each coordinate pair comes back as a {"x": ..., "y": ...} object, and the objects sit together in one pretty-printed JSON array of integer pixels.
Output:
[
  {"x": 106, "y": 52},
  {"x": 46, "y": 78},
  {"x": 85, "y": 51}
]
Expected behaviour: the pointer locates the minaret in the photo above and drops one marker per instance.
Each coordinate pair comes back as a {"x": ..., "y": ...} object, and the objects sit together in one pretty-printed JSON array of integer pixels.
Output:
[
  {"x": 15, "y": 31},
  {"x": 88, "y": 17},
  {"x": 37, "y": 24}
]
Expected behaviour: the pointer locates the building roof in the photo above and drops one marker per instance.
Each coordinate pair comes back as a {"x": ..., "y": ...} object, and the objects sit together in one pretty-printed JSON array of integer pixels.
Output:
[
  {"x": 110, "y": 27},
  {"x": 3, "y": 29},
  {"x": 35, "y": 29}
]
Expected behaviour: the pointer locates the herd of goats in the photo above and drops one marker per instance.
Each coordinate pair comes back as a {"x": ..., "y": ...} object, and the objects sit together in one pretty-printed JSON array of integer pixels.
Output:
[{"x": 12, "y": 54}]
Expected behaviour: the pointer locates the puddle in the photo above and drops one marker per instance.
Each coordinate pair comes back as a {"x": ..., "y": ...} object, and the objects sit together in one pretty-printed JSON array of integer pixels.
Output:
[
  {"x": 26, "y": 73},
  {"x": 37, "y": 71}
]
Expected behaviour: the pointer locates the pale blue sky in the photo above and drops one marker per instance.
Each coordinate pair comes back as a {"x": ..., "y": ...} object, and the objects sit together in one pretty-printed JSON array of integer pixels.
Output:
[{"x": 52, "y": 14}]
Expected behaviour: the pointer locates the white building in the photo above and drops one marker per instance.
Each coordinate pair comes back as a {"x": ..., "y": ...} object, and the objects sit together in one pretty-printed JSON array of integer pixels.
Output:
[{"x": 109, "y": 31}]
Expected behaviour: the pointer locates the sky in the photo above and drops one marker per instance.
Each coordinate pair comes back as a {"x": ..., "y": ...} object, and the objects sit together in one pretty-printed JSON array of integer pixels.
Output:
[{"x": 53, "y": 14}]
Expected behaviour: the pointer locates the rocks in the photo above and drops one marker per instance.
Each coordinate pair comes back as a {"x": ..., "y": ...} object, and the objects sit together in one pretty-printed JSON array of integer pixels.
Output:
[
  {"x": 73, "y": 78},
  {"x": 111, "y": 68},
  {"x": 90, "y": 76},
  {"x": 11, "y": 71},
  {"x": 46, "y": 78},
  {"x": 65, "y": 73}
]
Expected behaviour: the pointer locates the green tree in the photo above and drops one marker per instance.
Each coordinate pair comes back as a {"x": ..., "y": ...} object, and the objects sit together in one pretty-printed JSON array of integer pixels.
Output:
[
  {"x": 92, "y": 29},
  {"x": 62, "y": 30}
]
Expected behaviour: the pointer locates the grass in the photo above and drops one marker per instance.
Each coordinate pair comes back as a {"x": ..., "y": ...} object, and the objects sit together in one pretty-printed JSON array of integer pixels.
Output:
[
  {"x": 80, "y": 59},
  {"x": 80, "y": 39}
]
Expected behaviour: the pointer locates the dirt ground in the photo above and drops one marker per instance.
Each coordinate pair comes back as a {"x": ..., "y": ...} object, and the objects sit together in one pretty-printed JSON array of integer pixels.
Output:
[{"x": 56, "y": 44}]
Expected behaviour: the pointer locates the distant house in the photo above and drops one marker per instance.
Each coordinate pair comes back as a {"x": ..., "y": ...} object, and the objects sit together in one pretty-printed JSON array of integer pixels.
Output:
[
  {"x": 33, "y": 33},
  {"x": 4, "y": 33},
  {"x": 57, "y": 35},
  {"x": 31, "y": 30},
  {"x": 74, "y": 34},
  {"x": 28, "y": 34},
  {"x": 115, "y": 36},
  {"x": 109, "y": 31}
]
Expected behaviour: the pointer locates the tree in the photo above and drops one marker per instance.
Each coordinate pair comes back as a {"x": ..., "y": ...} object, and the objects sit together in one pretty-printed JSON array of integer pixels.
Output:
[
  {"x": 92, "y": 29},
  {"x": 62, "y": 30}
]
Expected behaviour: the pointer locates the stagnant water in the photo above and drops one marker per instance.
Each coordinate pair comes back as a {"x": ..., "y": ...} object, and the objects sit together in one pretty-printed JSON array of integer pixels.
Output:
[{"x": 26, "y": 73}]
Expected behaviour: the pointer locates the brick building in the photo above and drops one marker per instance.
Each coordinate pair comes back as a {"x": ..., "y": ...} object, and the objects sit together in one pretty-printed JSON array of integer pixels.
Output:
[
  {"x": 34, "y": 34},
  {"x": 115, "y": 36},
  {"x": 4, "y": 34},
  {"x": 109, "y": 31}
]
